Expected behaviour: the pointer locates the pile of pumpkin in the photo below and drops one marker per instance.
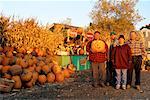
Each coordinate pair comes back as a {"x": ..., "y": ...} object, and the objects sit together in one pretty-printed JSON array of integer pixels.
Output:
[{"x": 28, "y": 69}]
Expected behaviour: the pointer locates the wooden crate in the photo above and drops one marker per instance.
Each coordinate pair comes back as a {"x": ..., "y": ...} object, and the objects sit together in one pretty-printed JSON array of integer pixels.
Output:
[{"x": 6, "y": 85}]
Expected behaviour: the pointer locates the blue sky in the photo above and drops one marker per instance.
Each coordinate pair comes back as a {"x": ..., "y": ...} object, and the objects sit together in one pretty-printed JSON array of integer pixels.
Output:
[{"x": 50, "y": 11}]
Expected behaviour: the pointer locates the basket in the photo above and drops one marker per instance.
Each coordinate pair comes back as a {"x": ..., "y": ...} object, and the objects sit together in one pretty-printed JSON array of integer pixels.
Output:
[{"x": 6, "y": 85}]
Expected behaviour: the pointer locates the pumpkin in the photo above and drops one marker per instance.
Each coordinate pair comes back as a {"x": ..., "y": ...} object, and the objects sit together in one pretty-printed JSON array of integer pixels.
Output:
[
  {"x": 50, "y": 65},
  {"x": 81, "y": 52},
  {"x": 1, "y": 49},
  {"x": 9, "y": 54},
  {"x": 30, "y": 62},
  {"x": 66, "y": 73},
  {"x": 56, "y": 69},
  {"x": 50, "y": 77},
  {"x": 38, "y": 69},
  {"x": 98, "y": 46},
  {"x": 59, "y": 77},
  {"x": 6, "y": 75},
  {"x": 5, "y": 61},
  {"x": 22, "y": 50},
  {"x": 71, "y": 68},
  {"x": 32, "y": 68},
  {"x": 23, "y": 63},
  {"x": 42, "y": 79},
  {"x": 35, "y": 76},
  {"x": 16, "y": 70},
  {"x": 30, "y": 83},
  {"x": 5, "y": 69},
  {"x": 26, "y": 75},
  {"x": 40, "y": 52},
  {"x": 45, "y": 69},
  {"x": 18, "y": 83},
  {"x": 12, "y": 60}
]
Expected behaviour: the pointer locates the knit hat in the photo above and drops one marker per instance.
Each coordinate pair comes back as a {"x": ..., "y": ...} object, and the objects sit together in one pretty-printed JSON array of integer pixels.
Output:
[
  {"x": 121, "y": 36},
  {"x": 111, "y": 33}
]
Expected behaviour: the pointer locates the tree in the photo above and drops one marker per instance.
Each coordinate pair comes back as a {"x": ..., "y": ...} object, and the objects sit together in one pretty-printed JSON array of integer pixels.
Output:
[{"x": 115, "y": 15}]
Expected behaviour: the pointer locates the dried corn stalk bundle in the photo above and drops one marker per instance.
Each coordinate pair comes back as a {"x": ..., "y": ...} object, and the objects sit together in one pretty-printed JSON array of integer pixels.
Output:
[{"x": 29, "y": 34}]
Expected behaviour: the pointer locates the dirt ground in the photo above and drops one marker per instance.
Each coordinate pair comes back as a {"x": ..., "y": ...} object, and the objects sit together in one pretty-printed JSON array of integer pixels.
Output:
[{"x": 79, "y": 88}]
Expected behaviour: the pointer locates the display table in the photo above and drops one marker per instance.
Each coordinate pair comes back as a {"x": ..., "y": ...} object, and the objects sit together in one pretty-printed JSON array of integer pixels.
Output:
[
  {"x": 79, "y": 61},
  {"x": 63, "y": 60}
]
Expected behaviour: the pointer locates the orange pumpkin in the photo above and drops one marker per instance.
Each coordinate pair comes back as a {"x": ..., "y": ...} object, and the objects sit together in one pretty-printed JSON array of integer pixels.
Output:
[
  {"x": 35, "y": 76},
  {"x": 26, "y": 75},
  {"x": 59, "y": 77},
  {"x": 71, "y": 68},
  {"x": 42, "y": 79},
  {"x": 1, "y": 49},
  {"x": 81, "y": 52},
  {"x": 98, "y": 46},
  {"x": 22, "y": 50},
  {"x": 9, "y": 54},
  {"x": 23, "y": 63},
  {"x": 38, "y": 69},
  {"x": 18, "y": 83},
  {"x": 15, "y": 70},
  {"x": 66, "y": 73},
  {"x": 5, "y": 69},
  {"x": 30, "y": 62},
  {"x": 45, "y": 69},
  {"x": 56, "y": 69},
  {"x": 30, "y": 83},
  {"x": 50, "y": 77},
  {"x": 5, "y": 61},
  {"x": 32, "y": 68}
]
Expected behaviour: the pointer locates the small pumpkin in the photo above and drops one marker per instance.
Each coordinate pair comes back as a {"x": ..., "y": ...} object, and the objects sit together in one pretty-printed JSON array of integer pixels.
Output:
[
  {"x": 50, "y": 77},
  {"x": 26, "y": 75},
  {"x": 56, "y": 69},
  {"x": 18, "y": 83},
  {"x": 45, "y": 69},
  {"x": 38, "y": 69},
  {"x": 30, "y": 83},
  {"x": 59, "y": 77},
  {"x": 5, "y": 61},
  {"x": 15, "y": 70},
  {"x": 42, "y": 79},
  {"x": 81, "y": 52},
  {"x": 9, "y": 54},
  {"x": 35, "y": 76},
  {"x": 66, "y": 73},
  {"x": 1, "y": 49},
  {"x": 71, "y": 68},
  {"x": 32, "y": 68},
  {"x": 5, "y": 69}
]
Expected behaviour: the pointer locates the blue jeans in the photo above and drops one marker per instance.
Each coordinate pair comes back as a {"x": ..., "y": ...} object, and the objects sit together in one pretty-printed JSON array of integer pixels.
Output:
[{"x": 121, "y": 76}]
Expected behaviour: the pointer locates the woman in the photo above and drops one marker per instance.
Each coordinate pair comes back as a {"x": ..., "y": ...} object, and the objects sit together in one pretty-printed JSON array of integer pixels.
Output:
[{"x": 121, "y": 59}]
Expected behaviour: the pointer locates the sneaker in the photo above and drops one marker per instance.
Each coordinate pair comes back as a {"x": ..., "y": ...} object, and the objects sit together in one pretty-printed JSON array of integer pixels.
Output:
[
  {"x": 102, "y": 84},
  {"x": 128, "y": 86},
  {"x": 117, "y": 86},
  {"x": 139, "y": 88},
  {"x": 107, "y": 84},
  {"x": 124, "y": 87},
  {"x": 95, "y": 85}
]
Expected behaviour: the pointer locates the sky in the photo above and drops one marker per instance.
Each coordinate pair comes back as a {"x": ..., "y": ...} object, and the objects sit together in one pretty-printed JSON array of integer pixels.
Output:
[{"x": 55, "y": 11}]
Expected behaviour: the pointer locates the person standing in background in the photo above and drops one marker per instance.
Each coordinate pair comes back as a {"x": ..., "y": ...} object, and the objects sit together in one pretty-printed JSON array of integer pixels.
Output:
[{"x": 110, "y": 69}]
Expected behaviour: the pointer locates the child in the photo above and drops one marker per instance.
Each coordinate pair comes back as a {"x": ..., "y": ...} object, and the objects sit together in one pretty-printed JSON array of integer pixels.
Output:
[{"x": 121, "y": 59}]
